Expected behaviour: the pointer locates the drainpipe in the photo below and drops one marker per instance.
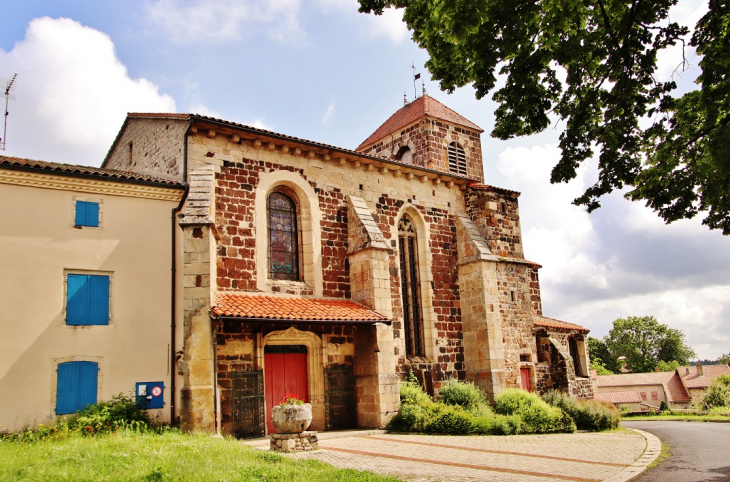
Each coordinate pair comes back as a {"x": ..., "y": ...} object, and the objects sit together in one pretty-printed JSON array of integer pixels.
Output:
[{"x": 173, "y": 275}]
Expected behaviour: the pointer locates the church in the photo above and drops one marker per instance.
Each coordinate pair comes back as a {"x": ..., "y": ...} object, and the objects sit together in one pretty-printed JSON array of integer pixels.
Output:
[{"x": 301, "y": 268}]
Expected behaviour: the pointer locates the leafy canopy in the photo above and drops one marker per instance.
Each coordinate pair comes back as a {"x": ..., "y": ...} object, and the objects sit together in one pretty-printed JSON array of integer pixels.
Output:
[
  {"x": 593, "y": 65},
  {"x": 647, "y": 344}
]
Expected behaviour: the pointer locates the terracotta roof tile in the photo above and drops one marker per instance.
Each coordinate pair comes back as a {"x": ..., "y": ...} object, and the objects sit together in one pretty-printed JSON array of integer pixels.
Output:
[
  {"x": 487, "y": 187},
  {"x": 624, "y": 396},
  {"x": 424, "y": 106},
  {"x": 263, "y": 307},
  {"x": 83, "y": 171},
  {"x": 710, "y": 373},
  {"x": 671, "y": 382},
  {"x": 553, "y": 323}
]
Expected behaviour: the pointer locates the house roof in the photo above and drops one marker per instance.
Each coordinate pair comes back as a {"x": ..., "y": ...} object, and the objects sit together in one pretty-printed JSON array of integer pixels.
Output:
[
  {"x": 279, "y": 308},
  {"x": 83, "y": 171},
  {"x": 622, "y": 396},
  {"x": 670, "y": 381},
  {"x": 487, "y": 187},
  {"x": 710, "y": 373},
  {"x": 424, "y": 106},
  {"x": 276, "y": 135},
  {"x": 553, "y": 323}
]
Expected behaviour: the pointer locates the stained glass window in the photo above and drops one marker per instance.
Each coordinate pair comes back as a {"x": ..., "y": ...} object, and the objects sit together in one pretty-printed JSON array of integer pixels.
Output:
[
  {"x": 283, "y": 237},
  {"x": 410, "y": 287}
]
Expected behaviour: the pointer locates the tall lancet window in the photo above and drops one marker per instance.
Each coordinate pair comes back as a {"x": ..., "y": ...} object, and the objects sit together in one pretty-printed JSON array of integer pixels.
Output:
[
  {"x": 410, "y": 287},
  {"x": 283, "y": 237}
]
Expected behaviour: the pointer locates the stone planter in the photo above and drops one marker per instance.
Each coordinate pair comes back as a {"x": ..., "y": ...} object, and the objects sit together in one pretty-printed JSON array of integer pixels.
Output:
[{"x": 291, "y": 418}]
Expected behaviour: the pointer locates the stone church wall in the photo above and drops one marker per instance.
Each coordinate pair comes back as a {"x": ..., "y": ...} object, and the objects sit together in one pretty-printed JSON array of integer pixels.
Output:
[
  {"x": 151, "y": 146},
  {"x": 428, "y": 140}
]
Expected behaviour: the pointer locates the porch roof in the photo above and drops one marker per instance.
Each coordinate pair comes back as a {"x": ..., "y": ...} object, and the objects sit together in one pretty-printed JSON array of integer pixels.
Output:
[
  {"x": 557, "y": 324},
  {"x": 247, "y": 306}
]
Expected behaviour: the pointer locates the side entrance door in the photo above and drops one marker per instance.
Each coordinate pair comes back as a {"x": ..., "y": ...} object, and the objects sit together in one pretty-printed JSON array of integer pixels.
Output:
[
  {"x": 285, "y": 373},
  {"x": 525, "y": 376}
]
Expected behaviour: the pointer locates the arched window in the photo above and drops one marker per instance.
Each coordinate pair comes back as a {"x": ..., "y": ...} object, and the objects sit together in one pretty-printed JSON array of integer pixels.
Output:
[
  {"x": 405, "y": 155},
  {"x": 410, "y": 287},
  {"x": 283, "y": 237},
  {"x": 457, "y": 159}
]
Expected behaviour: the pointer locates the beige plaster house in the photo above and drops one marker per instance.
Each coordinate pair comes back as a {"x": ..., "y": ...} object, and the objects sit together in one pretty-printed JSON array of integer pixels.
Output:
[
  {"x": 332, "y": 273},
  {"x": 85, "y": 289}
]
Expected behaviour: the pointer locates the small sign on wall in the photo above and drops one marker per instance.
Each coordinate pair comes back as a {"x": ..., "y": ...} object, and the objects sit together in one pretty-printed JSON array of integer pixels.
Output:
[{"x": 150, "y": 395}]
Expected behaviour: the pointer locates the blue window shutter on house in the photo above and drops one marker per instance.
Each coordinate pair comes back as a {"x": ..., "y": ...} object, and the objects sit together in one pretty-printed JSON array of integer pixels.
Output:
[
  {"x": 76, "y": 386},
  {"x": 92, "y": 214},
  {"x": 77, "y": 299},
  {"x": 98, "y": 300},
  {"x": 88, "y": 382},
  {"x": 87, "y": 299},
  {"x": 87, "y": 214},
  {"x": 80, "y": 213}
]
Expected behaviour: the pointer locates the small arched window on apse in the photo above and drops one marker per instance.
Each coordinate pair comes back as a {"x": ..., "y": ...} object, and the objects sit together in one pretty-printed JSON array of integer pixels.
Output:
[
  {"x": 283, "y": 236},
  {"x": 457, "y": 159},
  {"x": 405, "y": 155},
  {"x": 410, "y": 287}
]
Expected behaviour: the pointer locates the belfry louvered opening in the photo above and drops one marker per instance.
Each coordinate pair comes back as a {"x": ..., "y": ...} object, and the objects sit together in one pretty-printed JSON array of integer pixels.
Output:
[{"x": 457, "y": 159}]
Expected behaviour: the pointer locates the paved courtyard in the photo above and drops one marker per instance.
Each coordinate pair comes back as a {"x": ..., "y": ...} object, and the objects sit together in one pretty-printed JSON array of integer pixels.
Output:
[{"x": 570, "y": 457}]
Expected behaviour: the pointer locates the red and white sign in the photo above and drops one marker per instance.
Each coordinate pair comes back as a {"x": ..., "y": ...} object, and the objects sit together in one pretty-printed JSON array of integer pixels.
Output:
[{"x": 156, "y": 391}]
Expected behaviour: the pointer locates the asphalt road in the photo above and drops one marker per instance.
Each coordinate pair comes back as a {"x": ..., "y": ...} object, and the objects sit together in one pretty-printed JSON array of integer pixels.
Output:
[{"x": 698, "y": 451}]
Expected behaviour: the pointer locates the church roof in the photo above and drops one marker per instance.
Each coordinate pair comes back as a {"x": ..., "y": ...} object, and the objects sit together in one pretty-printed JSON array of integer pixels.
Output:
[
  {"x": 74, "y": 170},
  {"x": 553, "y": 323},
  {"x": 424, "y": 106},
  {"x": 280, "y": 308}
]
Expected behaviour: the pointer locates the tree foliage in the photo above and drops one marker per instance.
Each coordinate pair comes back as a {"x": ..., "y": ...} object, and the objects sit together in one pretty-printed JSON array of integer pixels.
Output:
[
  {"x": 602, "y": 360},
  {"x": 593, "y": 65},
  {"x": 645, "y": 343}
]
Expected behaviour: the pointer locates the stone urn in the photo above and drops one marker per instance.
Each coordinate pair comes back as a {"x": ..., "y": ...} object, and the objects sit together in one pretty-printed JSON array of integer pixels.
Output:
[{"x": 291, "y": 418}]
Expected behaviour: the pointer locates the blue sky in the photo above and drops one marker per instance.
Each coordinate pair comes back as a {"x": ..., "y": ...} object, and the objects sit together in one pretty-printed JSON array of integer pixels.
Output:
[{"x": 318, "y": 69}]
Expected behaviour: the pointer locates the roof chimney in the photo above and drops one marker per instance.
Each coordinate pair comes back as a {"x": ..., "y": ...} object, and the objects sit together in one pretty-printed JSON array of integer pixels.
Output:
[
  {"x": 700, "y": 372},
  {"x": 686, "y": 370}
]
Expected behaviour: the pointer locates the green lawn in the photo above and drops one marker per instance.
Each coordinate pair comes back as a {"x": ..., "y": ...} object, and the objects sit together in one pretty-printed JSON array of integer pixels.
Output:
[
  {"x": 710, "y": 417},
  {"x": 157, "y": 457}
]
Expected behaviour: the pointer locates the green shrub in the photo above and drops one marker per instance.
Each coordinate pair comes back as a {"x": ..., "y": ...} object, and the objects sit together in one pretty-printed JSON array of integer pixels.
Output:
[
  {"x": 411, "y": 392},
  {"x": 463, "y": 394},
  {"x": 536, "y": 415},
  {"x": 104, "y": 417},
  {"x": 663, "y": 406},
  {"x": 507, "y": 425},
  {"x": 587, "y": 414},
  {"x": 451, "y": 420},
  {"x": 411, "y": 418}
]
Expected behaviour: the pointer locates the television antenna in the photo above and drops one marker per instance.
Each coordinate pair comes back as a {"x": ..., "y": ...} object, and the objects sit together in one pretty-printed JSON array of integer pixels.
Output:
[{"x": 8, "y": 96}]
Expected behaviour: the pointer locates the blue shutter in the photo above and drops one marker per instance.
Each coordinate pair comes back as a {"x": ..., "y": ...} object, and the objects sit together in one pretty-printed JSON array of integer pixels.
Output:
[
  {"x": 88, "y": 379},
  {"x": 87, "y": 214},
  {"x": 87, "y": 299},
  {"x": 92, "y": 214},
  {"x": 76, "y": 386},
  {"x": 98, "y": 300},
  {"x": 67, "y": 388},
  {"x": 80, "y": 213},
  {"x": 77, "y": 300}
]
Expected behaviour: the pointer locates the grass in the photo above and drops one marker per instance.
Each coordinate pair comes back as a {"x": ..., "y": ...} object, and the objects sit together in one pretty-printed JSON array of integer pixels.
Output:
[
  {"x": 662, "y": 456},
  {"x": 168, "y": 456},
  {"x": 710, "y": 417}
]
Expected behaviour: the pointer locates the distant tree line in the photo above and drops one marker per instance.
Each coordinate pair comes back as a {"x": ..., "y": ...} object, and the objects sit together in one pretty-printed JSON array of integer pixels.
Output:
[{"x": 640, "y": 345}]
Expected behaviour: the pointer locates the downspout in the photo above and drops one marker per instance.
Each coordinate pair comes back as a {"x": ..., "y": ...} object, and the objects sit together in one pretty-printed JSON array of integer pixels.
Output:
[{"x": 173, "y": 270}]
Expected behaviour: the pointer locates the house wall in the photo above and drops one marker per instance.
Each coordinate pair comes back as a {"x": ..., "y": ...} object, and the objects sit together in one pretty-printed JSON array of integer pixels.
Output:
[
  {"x": 644, "y": 390},
  {"x": 38, "y": 244}
]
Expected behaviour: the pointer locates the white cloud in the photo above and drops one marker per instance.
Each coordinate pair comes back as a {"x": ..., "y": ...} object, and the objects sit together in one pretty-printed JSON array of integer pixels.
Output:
[
  {"x": 329, "y": 113},
  {"x": 72, "y": 93},
  {"x": 389, "y": 25},
  {"x": 186, "y": 22}
]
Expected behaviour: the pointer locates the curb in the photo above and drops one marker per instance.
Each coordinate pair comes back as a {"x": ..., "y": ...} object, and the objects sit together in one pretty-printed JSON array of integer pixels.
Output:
[{"x": 652, "y": 451}]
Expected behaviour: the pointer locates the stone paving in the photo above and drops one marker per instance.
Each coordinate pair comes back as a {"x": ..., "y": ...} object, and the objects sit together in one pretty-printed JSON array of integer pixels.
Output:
[{"x": 572, "y": 457}]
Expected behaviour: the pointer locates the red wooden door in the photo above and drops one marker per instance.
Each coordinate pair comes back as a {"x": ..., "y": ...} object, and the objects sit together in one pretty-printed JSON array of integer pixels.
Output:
[
  {"x": 525, "y": 376},
  {"x": 284, "y": 374}
]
